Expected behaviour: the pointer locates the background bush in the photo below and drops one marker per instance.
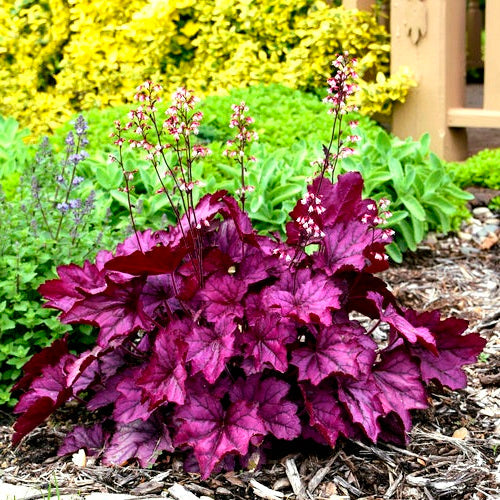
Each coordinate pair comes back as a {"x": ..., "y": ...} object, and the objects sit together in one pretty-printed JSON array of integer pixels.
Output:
[
  {"x": 482, "y": 169},
  {"x": 60, "y": 57}
]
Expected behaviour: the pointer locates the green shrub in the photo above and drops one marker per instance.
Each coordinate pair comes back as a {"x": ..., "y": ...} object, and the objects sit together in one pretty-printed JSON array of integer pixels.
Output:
[
  {"x": 422, "y": 194},
  {"x": 14, "y": 154},
  {"x": 482, "y": 169},
  {"x": 62, "y": 57}
]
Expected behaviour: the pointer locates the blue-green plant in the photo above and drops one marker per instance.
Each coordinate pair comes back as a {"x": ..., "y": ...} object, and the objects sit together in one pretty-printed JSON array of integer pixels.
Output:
[{"x": 422, "y": 193}]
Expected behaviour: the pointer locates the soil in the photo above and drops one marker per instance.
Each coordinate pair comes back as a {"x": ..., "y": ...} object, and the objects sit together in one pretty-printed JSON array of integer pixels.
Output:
[{"x": 453, "y": 452}]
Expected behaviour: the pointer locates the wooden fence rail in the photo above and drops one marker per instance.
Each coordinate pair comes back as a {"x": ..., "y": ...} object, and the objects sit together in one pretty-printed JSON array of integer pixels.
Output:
[{"x": 429, "y": 37}]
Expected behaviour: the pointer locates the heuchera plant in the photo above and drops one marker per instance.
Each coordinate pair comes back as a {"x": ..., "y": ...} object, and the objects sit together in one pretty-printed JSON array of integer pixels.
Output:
[{"x": 216, "y": 341}]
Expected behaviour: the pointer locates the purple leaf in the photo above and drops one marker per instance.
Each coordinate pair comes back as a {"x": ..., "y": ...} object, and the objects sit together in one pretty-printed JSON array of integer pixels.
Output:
[
  {"x": 138, "y": 440},
  {"x": 278, "y": 414},
  {"x": 158, "y": 296},
  {"x": 222, "y": 295},
  {"x": 91, "y": 439},
  {"x": 342, "y": 200},
  {"x": 362, "y": 400},
  {"x": 254, "y": 266},
  {"x": 401, "y": 389},
  {"x": 241, "y": 220},
  {"x": 210, "y": 348},
  {"x": 454, "y": 349},
  {"x": 265, "y": 343},
  {"x": 214, "y": 432},
  {"x": 147, "y": 240},
  {"x": 106, "y": 394},
  {"x": 327, "y": 415},
  {"x": 159, "y": 260},
  {"x": 117, "y": 311},
  {"x": 343, "y": 348},
  {"x": 164, "y": 376},
  {"x": 46, "y": 357},
  {"x": 62, "y": 293},
  {"x": 228, "y": 241},
  {"x": 350, "y": 246},
  {"x": 47, "y": 393},
  {"x": 311, "y": 300},
  {"x": 411, "y": 333},
  {"x": 129, "y": 406}
]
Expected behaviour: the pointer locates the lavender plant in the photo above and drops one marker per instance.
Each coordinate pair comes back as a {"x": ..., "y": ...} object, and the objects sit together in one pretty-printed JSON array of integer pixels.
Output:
[
  {"x": 215, "y": 342},
  {"x": 52, "y": 218}
]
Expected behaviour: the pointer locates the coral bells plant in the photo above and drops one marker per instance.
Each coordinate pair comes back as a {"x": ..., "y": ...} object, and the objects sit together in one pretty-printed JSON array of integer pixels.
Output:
[{"x": 215, "y": 342}]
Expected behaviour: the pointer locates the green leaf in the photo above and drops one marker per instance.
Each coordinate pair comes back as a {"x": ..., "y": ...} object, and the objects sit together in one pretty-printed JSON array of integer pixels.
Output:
[
  {"x": 282, "y": 193},
  {"x": 419, "y": 229},
  {"x": 109, "y": 177},
  {"x": 383, "y": 143},
  {"x": 442, "y": 204},
  {"x": 413, "y": 206},
  {"x": 456, "y": 192},
  {"x": 256, "y": 203},
  {"x": 406, "y": 231},
  {"x": 397, "y": 216},
  {"x": 122, "y": 199},
  {"x": 410, "y": 174},
  {"x": 394, "y": 252},
  {"x": 425, "y": 142},
  {"x": 397, "y": 174}
]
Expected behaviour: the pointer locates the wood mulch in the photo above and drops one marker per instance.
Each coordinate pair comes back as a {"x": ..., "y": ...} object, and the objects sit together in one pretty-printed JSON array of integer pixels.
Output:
[{"x": 454, "y": 451}]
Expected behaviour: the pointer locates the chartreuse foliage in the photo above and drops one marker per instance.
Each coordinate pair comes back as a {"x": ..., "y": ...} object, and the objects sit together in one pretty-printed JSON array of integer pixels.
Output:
[
  {"x": 482, "y": 169},
  {"x": 61, "y": 57},
  {"x": 51, "y": 217},
  {"x": 216, "y": 342},
  {"x": 14, "y": 154}
]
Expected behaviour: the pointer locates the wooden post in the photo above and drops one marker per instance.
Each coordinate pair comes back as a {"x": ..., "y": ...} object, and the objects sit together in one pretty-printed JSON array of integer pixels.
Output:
[
  {"x": 358, "y": 4},
  {"x": 428, "y": 36},
  {"x": 474, "y": 28},
  {"x": 384, "y": 16},
  {"x": 491, "y": 59}
]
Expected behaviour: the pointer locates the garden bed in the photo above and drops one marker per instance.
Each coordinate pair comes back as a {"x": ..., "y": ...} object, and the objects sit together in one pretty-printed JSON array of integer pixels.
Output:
[{"x": 453, "y": 450}]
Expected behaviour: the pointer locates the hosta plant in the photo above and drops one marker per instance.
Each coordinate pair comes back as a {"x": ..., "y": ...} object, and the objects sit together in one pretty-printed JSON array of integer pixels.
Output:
[{"x": 215, "y": 342}]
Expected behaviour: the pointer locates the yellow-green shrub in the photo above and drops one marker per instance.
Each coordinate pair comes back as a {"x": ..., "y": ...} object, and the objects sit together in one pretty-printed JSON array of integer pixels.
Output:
[{"x": 62, "y": 56}]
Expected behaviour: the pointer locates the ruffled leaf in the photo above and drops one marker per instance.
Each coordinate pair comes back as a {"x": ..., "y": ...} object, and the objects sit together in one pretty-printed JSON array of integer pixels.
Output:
[
  {"x": 327, "y": 415},
  {"x": 362, "y": 400},
  {"x": 222, "y": 296},
  {"x": 265, "y": 343},
  {"x": 91, "y": 439},
  {"x": 401, "y": 389},
  {"x": 277, "y": 412},
  {"x": 117, "y": 310},
  {"x": 139, "y": 440},
  {"x": 210, "y": 348},
  {"x": 213, "y": 432},
  {"x": 73, "y": 280},
  {"x": 310, "y": 299},
  {"x": 164, "y": 376},
  {"x": 454, "y": 349},
  {"x": 343, "y": 348}
]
